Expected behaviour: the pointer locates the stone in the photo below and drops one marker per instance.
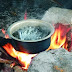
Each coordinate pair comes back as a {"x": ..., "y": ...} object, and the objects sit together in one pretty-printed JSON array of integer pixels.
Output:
[
  {"x": 58, "y": 15},
  {"x": 58, "y": 60},
  {"x": 18, "y": 69}
]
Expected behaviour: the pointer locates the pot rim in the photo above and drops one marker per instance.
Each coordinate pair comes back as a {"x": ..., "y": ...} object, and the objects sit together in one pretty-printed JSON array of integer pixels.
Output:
[{"x": 22, "y": 21}]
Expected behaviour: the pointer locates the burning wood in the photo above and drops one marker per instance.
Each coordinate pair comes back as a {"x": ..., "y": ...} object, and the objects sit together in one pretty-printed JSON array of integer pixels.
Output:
[{"x": 12, "y": 63}]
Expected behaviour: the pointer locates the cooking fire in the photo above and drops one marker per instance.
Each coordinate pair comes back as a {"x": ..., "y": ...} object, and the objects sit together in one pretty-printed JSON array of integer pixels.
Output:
[
  {"x": 23, "y": 58},
  {"x": 58, "y": 39},
  {"x": 32, "y": 37}
]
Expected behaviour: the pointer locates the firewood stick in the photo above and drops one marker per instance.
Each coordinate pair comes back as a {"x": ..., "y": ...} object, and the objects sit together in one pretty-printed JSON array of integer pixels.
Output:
[
  {"x": 3, "y": 51},
  {"x": 5, "y": 61},
  {"x": 12, "y": 64}
]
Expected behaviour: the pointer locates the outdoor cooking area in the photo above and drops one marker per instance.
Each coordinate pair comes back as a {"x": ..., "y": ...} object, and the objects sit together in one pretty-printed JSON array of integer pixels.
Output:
[{"x": 35, "y": 36}]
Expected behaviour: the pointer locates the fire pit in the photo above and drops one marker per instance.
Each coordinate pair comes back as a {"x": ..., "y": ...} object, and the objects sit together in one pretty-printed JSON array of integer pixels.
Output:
[
  {"x": 18, "y": 59},
  {"x": 31, "y": 36}
]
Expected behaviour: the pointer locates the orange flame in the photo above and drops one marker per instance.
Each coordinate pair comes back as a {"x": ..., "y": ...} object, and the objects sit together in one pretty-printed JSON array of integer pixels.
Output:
[
  {"x": 23, "y": 58},
  {"x": 58, "y": 39},
  {"x": 25, "y": 15},
  {"x": 6, "y": 36},
  {"x": 4, "y": 32}
]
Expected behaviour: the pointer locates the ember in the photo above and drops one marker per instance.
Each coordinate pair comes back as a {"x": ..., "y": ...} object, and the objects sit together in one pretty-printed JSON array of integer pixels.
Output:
[
  {"x": 3, "y": 31},
  {"x": 6, "y": 35}
]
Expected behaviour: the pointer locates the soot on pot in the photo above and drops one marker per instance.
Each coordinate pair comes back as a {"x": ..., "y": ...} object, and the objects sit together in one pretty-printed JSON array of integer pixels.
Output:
[{"x": 31, "y": 33}]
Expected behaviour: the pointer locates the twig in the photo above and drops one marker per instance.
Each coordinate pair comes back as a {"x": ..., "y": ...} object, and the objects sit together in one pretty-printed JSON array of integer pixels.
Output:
[
  {"x": 5, "y": 61},
  {"x": 57, "y": 2},
  {"x": 3, "y": 51}
]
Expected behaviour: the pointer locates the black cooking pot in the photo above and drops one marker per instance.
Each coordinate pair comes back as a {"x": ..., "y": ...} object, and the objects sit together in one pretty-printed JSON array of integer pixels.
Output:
[{"x": 31, "y": 46}]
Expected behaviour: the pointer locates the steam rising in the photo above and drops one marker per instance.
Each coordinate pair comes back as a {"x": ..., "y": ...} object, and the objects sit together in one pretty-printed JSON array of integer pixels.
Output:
[{"x": 31, "y": 33}]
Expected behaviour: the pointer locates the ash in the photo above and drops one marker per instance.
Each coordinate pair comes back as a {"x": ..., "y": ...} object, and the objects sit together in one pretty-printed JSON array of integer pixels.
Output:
[{"x": 32, "y": 33}]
